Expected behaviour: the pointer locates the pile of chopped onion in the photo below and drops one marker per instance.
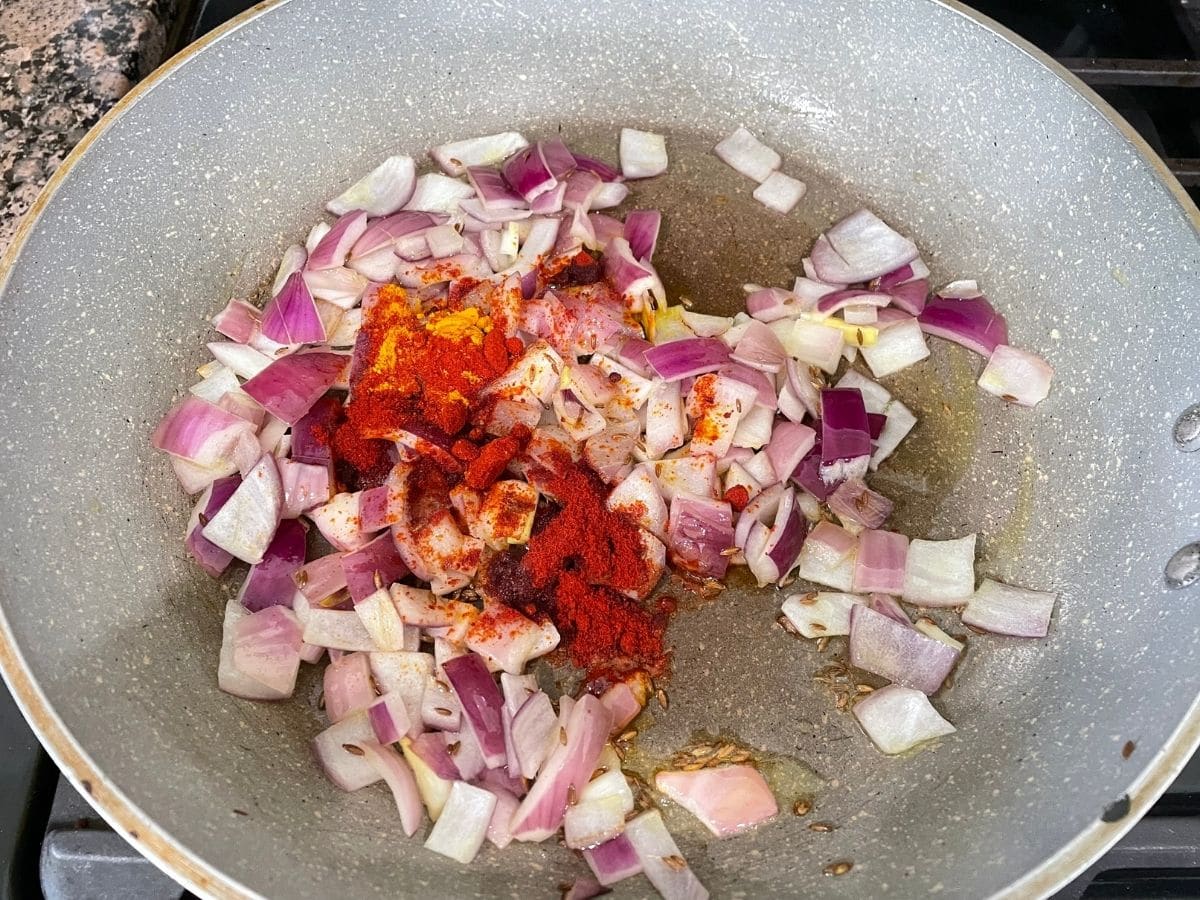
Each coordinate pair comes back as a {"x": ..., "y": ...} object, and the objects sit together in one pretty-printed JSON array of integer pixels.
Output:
[{"x": 729, "y": 441}]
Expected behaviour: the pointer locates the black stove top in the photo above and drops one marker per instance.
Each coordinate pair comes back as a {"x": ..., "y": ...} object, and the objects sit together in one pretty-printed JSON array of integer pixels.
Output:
[{"x": 1140, "y": 55}]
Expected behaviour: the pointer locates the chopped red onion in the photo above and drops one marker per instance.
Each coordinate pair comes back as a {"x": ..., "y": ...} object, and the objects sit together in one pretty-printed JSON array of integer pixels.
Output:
[
  {"x": 347, "y": 770},
  {"x": 338, "y": 522},
  {"x": 481, "y": 704},
  {"x": 493, "y": 190},
  {"x": 389, "y": 718},
  {"x": 321, "y": 578},
  {"x": 625, "y": 699},
  {"x": 613, "y": 861},
  {"x": 265, "y": 651},
  {"x": 828, "y": 557},
  {"x": 813, "y": 343},
  {"x": 772, "y": 304},
  {"x": 568, "y": 768},
  {"x": 860, "y": 247},
  {"x": 666, "y": 425},
  {"x": 269, "y": 582},
  {"x": 1016, "y": 376},
  {"x": 375, "y": 565},
  {"x": 836, "y": 301},
  {"x": 845, "y": 435},
  {"x": 331, "y": 251},
  {"x": 487, "y": 150},
  {"x": 432, "y": 748},
  {"x": 790, "y": 443},
  {"x": 898, "y": 653},
  {"x": 881, "y": 562},
  {"x": 597, "y": 167},
  {"x": 1004, "y": 609},
  {"x": 638, "y": 497},
  {"x": 682, "y": 359},
  {"x": 550, "y": 202},
  {"x": 399, "y": 778},
  {"x": 754, "y": 430},
  {"x": 381, "y": 191},
  {"x": 534, "y": 732},
  {"x": 508, "y": 640},
  {"x": 627, "y": 275},
  {"x": 897, "y": 347},
  {"x": 699, "y": 534},
  {"x": 598, "y": 815},
  {"x": 527, "y": 172},
  {"x": 201, "y": 433},
  {"x": 433, "y": 788},
  {"x": 821, "y": 613},
  {"x": 887, "y": 605},
  {"x": 940, "y": 573},
  {"x": 582, "y": 188},
  {"x": 211, "y": 558},
  {"x": 726, "y": 799},
  {"x": 641, "y": 231},
  {"x": 910, "y": 296},
  {"x": 786, "y": 538},
  {"x": 759, "y": 348},
  {"x": 716, "y": 405},
  {"x": 748, "y": 155},
  {"x": 290, "y": 385},
  {"x": 436, "y": 193},
  {"x": 382, "y": 234},
  {"x": 304, "y": 486},
  {"x": 660, "y": 855},
  {"x": 897, "y": 718},
  {"x": 856, "y": 504},
  {"x": 347, "y": 686},
  {"x": 780, "y": 192},
  {"x": 239, "y": 320},
  {"x": 246, "y": 523},
  {"x": 498, "y": 831},
  {"x": 972, "y": 323},
  {"x": 643, "y": 153},
  {"x": 460, "y": 829}
]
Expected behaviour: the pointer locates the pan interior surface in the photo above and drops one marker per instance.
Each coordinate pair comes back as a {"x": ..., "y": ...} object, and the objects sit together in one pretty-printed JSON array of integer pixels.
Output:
[{"x": 999, "y": 170}]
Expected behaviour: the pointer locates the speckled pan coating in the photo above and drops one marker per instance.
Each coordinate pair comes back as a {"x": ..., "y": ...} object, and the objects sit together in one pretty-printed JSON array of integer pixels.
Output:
[{"x": 1001, "y": 170}]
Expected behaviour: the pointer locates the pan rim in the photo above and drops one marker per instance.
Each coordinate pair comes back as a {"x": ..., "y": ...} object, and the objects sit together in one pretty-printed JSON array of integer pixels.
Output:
[{"x": 204, "y": 879}]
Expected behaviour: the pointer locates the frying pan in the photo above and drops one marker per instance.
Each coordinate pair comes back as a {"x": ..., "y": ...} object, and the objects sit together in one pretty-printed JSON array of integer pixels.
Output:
[{"x": 1002, "y": 166}]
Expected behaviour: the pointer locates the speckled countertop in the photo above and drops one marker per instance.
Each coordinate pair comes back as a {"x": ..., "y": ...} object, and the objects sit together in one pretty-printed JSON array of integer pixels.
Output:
[{"x": 63, "y": 63}]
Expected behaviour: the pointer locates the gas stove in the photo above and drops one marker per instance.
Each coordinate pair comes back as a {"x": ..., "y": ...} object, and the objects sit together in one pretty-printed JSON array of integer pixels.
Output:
[{"x": 1143, "y": 58}]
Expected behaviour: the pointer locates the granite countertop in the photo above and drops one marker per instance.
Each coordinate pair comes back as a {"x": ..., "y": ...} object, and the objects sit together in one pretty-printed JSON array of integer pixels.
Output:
[{"x": 63, "y": 64}]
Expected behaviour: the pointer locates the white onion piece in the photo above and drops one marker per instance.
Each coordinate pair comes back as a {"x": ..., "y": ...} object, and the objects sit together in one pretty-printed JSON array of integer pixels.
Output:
[
  {"x": 534, "y": 733},
  {"x": 254, "y": 661},
  {"x": 862, "y": 314},
  {"x": 898, "y": 718},
  {"x": 339, "y": 522},
  {"x": 347, "y": 769},
  {"x": 533, "y": 378},
  {"x": 638, "y": 497},
  {"x": 897, "y": 347},
  {"x": 900, "y": 422},
  {"x": 964, "y": 289},
  {"x": 825, "y": 560},
  {"x": 727, "y": 799},
  {"x": 880, "y": 565},
  {"x": 687, "y": 474},
  {"x": 940, "y": 573},
  {"x": 1017, "y": 376},
  {"x": 716, "y": 405},
  {"x": 659, "y": 855},
  {"x": 706, "y": 326},
  {"x": 898, "y": 652},
  {"x": 748, "y": 155},
  {"x": 506, "y": 639},
  {"x": 336, "y": 629},
  {"x": 347, "y": 686},
  {"x": 382, "y": 622},
  {"x": 780, "y": 192},
  {"x": 246, "y": 523},
  {"x": 737, "y": 476},
  {"x": 381, "y": 191},
  {"x": 814, "y": 344},
  {"x": 608, "y": 195},
  {"x": 643, "y": 154},
  {"x": 399, "y": 778},
  {"x": 403, "y": 675},
  {"x": 754, "y": 431},
  {"x": 433, "y": 788},
  {"x": 821, "y": 613},
  {"x": 462, "y": 826},
  {"x": 1004, "y": 609},
  {"x": 486, "y": 150},
  {"x": 630, "y": 390},
  {"x": 439, "y": 194},
  {"x": 666, "y": 426},
  {"x": 292, "y": 261},
  {"x": 860, "y": 247},
  {"x": 246, "y": 362},
  {"x": 601, "y": 807}
]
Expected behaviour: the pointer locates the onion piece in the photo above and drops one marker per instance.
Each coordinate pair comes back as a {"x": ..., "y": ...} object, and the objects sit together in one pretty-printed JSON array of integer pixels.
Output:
[
  {"x": 880, "y": 565},
  {"x": 899, "y": 653},
  {"x": 381, "y": 620},
  {"x": 201, "y": 433},
  {"x": 836, "y": 301},
  {"x": 625, "y": 699},
  {"x": 507, "y": 640},
  {"x": 813, "y": 343},
  {"x": 716, "y": 405},
  {"x": 860, "y": 247},
  {"x": 1004, "y": 609},
  {"x": 855, "y": 504},
  {"x": 638, "y": 497},
  {"x": 487, "y": 150},
  {"x": 754, "y": 430},
  {"x": 940, "y": 573},
  {"x": 897, "y": 347},
  {"x": 900, "y": 421},
  {"x": 290, "y": 385},
  {"x": 404, "y": 675},
  {"x": 347, "y": 686},
  {"x": 320, "y": 578},
  {"x": 582, "y": 188},
  {"x": 381, "y": 191},
  {"x": 246, "y": 523},
  {"x": 338, "y": 522},
  {"x": 399, "y": 778},
  {"x": 608, "y": 195},
  {"x": 786, "y": 539},
  {"x": 790, "y": 443},
  {"x": 887, "y": 605},
  {"x": 528, "y": 173},
  {"x": 666, "y": 425},
  {"x": 568, "y": 769},
  {"x": 1016, "y": 376},
  {"x": 759, "y": 348},
  {"x": 643, "y": 153},
  {"x": 304, "y": 486},
  {"x": 828, "y": 557},
  {"x": 820, "y": 614},
  {"x": 246, "y": 362},
  {"x": 493, "y": 190},
  {"x": 660, "y": 856},
  {"x": 699, "y": 534},
  {"x": 726, "y": 799},
  {"x": 263, "y": 656},
  {"x": 269, "y": 582},
  {"x": 389, "y": 718},
  {"x": 745, "y": 153},
  {"x": 973, "y": 323},
  {"x": 929, "y": 628},
  {"x": 641, "y": 231},
  {"x": 481, "y": 704},
  {"x": 433, "y": 788},
  {"x": 845, "y": 435},
  {"x": 463, "y": 823},
  {"x": 534, "y": 733},
  {"x": 347, "y": 769},
  {"x": 772, "y": 304},
  {"x": 911, "y": 296},
  {"x": 613, "y": 861},
  {"x": 436, "y": 193},
  {"x": 211, "y": 558},
  {"x": 875, "y": 396},
  {"x": 331, "y": 251},
  {"x": 898, "y": 718},
  {"x": 780, "y": 192},
  {"x": 598, "y": 815}
]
